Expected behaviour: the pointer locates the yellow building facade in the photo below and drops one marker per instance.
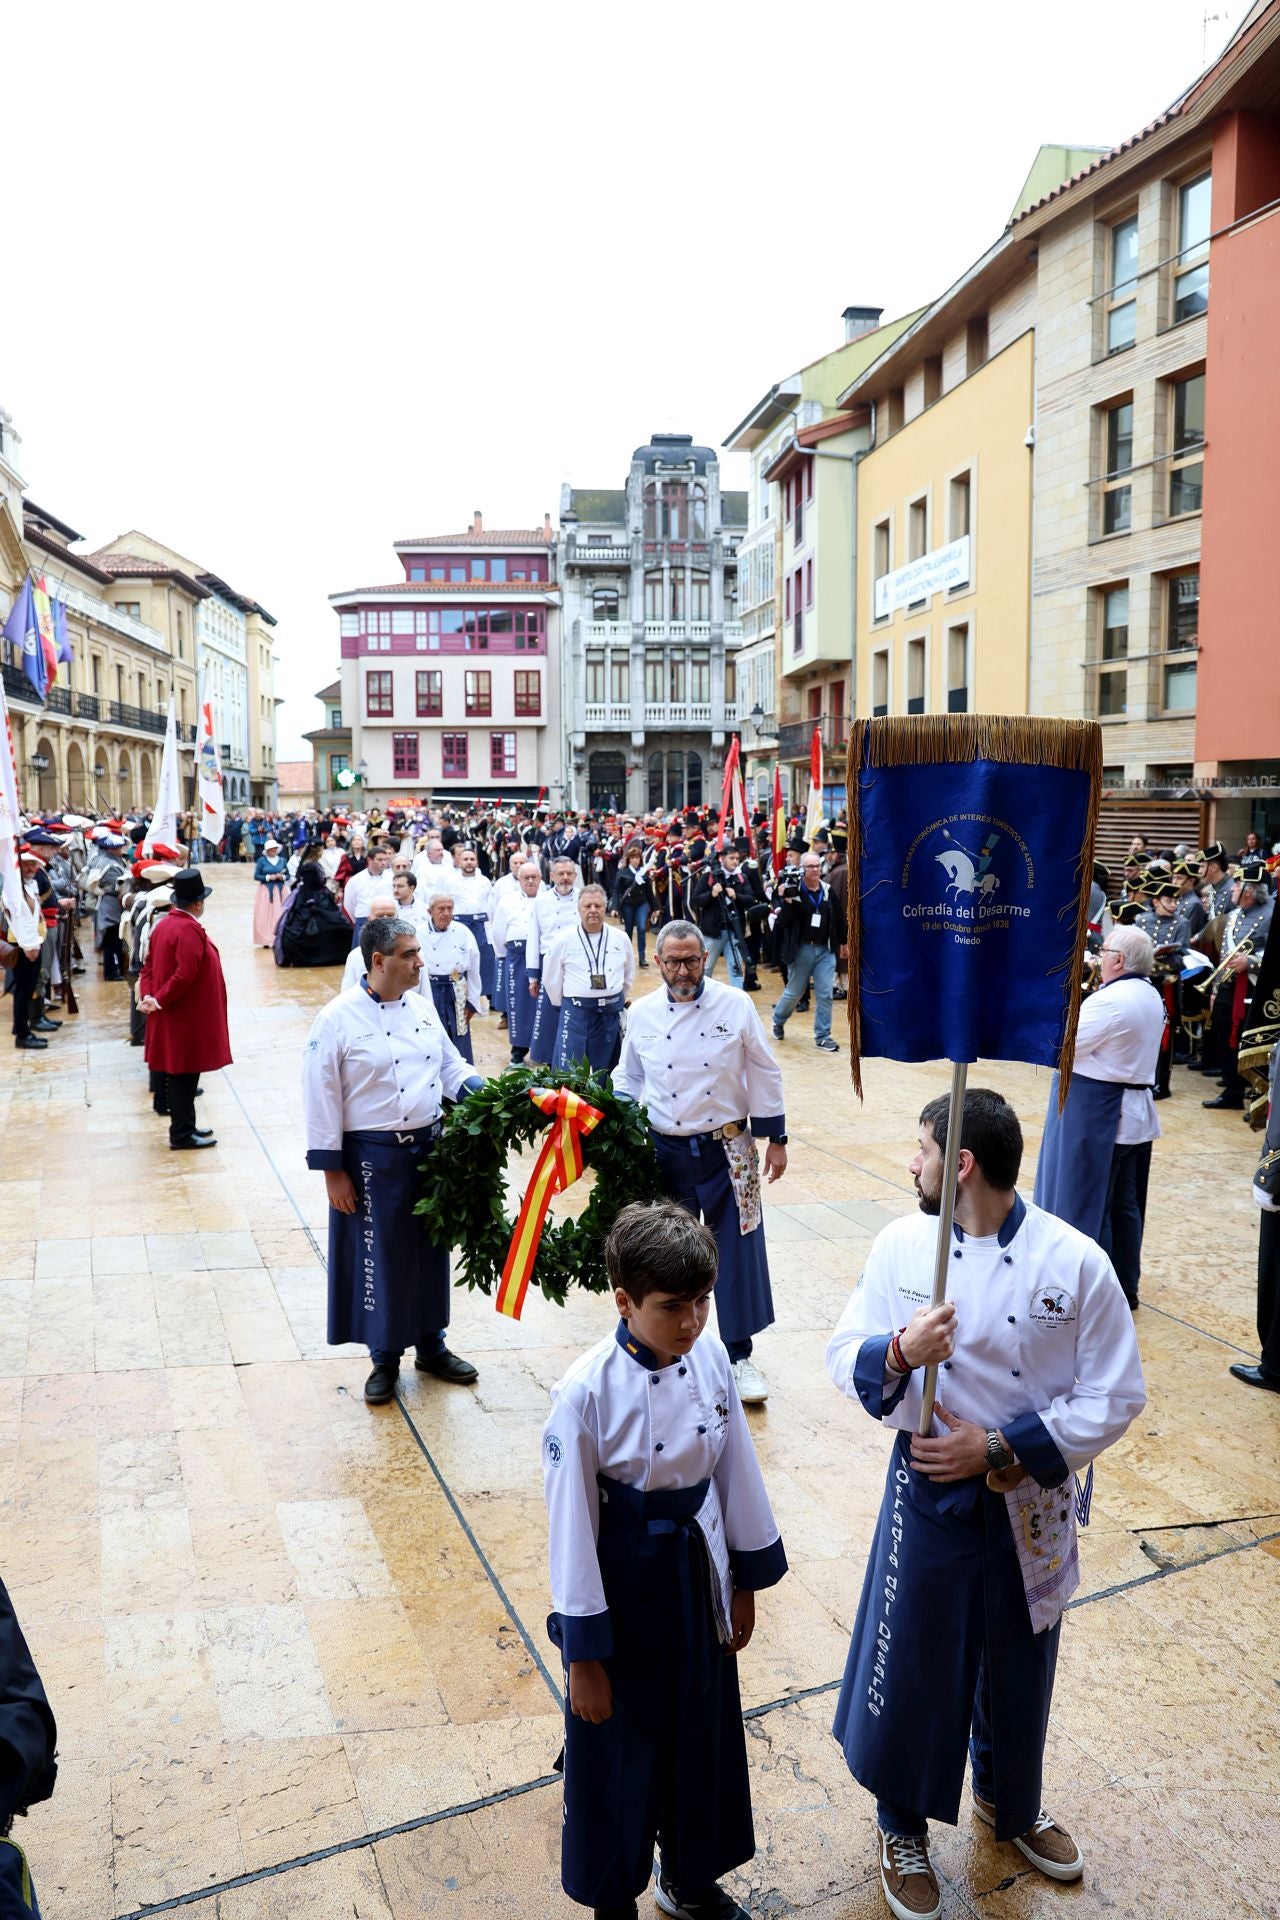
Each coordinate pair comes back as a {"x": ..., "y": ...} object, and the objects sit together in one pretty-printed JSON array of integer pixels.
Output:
[{"x": 944, "y": 508}]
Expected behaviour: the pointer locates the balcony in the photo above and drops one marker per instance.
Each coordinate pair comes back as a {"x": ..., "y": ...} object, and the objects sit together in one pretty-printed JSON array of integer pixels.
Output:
[
  {"x": 698, "y": 632},
  {"x": 144, "y": 721},
  {"x": 581, "y": 555},
  {"x": 604, "y": 717},
  {"x": 18, "y": 687},
  {"x": 58, "y": 700},
  {"x": 795, "y": 736},
  {"x": 85, "y": 706}
]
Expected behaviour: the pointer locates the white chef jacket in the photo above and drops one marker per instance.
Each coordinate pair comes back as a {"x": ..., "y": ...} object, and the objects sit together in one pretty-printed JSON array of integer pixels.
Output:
[
  {"x": 363, "y": 889},
  {"x": 1045, "y": 1347},
  {"x": 375, "y": 1066},
  {"x": 454, "y": 950},
  {"x": 556, "y": 911},
  {"x": 1118, "y": 1038},
  {"x": 617, "y": 1412},
  {"x": 567, "y": 965},
  {"x": 516, "y": 918},
  {"x": 471, "y": 893},
  {"x": 501, "y": 888},
  {"x": 697, "y": 1063},
  {"x": 433, "y": 876}
]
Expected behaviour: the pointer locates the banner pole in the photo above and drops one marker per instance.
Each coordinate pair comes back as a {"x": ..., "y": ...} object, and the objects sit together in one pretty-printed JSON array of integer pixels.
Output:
[{"x": 946, "y": 1215}]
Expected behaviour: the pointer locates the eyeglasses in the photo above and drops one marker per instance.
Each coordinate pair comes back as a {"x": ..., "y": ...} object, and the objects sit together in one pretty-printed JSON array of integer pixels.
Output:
[{"x": 684, "y": 966}]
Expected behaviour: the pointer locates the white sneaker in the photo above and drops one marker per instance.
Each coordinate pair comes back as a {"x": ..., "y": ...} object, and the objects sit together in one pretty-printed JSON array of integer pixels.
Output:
[{"x": 753, "y": 1388}]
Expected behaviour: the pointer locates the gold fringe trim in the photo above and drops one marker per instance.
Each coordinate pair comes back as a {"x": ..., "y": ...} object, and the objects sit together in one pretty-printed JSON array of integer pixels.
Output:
[{"x": 940, "y": 739}]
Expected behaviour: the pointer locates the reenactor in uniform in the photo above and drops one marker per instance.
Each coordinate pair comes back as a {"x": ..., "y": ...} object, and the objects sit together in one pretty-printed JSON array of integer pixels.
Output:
[
  {"x": 1243, "y": 938},
  {"x": 1187, "y": 875},
  {"x": 1163, "y": 925},
  {"x": 1218, "y": 878}
]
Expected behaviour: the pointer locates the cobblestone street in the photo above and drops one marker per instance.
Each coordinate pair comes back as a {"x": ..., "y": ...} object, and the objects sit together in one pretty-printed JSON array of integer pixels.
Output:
[{"x": 296, "y": 1646}]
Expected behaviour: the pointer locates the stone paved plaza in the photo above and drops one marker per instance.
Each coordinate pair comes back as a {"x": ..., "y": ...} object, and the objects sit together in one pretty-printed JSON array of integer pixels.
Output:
[{"x": 297, "y": 1647}]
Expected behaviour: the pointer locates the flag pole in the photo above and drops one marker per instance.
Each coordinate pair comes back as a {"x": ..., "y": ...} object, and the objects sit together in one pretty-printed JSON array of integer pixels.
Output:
[{"x": 946, "y": 1217}]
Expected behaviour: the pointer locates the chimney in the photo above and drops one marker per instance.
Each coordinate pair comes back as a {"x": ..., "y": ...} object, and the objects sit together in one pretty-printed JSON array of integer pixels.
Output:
[
  {"x": 546, "y": 525},
  {"x": 860, "y": 320},
  {"x": 477, "y": 524}
]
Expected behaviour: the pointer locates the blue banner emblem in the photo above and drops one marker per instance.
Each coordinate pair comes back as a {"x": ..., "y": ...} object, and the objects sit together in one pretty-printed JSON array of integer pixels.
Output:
[{"x": 972, "y": 884}]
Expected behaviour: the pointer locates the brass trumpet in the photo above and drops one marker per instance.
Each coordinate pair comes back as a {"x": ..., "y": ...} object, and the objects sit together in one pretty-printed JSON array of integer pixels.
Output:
[{"x": 1245, "y": 948}]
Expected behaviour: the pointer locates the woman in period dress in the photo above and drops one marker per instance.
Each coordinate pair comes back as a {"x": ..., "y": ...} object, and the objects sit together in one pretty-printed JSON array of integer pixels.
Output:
[{"x": 270, "y": 873}]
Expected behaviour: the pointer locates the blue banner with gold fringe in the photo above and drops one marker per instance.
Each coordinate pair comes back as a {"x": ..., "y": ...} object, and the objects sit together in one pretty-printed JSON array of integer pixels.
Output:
[{"x": 970, "y": 855}]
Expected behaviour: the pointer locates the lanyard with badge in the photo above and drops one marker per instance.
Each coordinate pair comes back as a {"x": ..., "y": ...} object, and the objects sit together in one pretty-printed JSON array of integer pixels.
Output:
[
  {"x": 595, "y": 958},
  {"x": 815, "y": 918}
]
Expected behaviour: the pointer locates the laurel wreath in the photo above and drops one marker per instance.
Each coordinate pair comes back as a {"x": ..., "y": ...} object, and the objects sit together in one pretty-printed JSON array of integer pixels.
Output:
[{"x": 463, "y": 1204}]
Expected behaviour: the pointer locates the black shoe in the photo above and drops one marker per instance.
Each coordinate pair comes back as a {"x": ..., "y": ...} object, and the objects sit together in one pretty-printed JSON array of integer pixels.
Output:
[
  {"x": 192, "y": 1142},
  {"x": 202, "y": 1133},
  {"x": 1230, "y": 1101},
  {"x": 45, "y": 1025},
  {"x": 645, "y": 965},
  {"x": 448, "y": 1366},
  {"x": 381, "y": 1385},
  {"x": 1254, "y": 1377},
  {"x": 802, "y": 1005},
  {"x": 1131, "y": 1300},
  {"x": 29, "y": 1042},
  {"x": 162, "y": 1111},
  {"x": 1161, "y": 1093},
  {"x": 839, "y": 993},
  {"x": 615, "y": 1913},
  {"x": 752, "y": 983},
  {"x": 710, "y": 1903}
]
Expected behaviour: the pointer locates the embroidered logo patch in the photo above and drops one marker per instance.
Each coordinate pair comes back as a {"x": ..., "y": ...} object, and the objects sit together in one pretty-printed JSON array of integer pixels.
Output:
[
  {"x": 720, "y": 1031},
  {"x": 555, "y": 1452},
  {"x": 1053, "y": 1307}
]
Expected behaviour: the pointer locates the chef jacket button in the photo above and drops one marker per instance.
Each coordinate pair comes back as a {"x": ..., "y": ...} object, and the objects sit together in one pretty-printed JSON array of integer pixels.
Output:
[
  {"x": 946, "y": 1365},
  {"x": 657, "y": 1446},
  {"x": 956, "y": 1254},
  {"x": 1017, "y": 1372},
  {"x": 683, "y": 1371},
  {"x": 701, "y": 1429},
  {"x": 1012, "y": 1318},
  {"x": 1008, "y": 1259}
]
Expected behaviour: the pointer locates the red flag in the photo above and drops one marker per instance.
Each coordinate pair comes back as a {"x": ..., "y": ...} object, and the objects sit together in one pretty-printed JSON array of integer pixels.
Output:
[
  {"x": 778, "y": 826},
  {"x": 726, "y": 792}
]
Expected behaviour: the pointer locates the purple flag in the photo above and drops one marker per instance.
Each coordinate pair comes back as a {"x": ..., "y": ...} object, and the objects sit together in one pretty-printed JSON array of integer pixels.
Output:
[
  {"x": 61, "y": 638},
  {"x": 23, "y": 630}
]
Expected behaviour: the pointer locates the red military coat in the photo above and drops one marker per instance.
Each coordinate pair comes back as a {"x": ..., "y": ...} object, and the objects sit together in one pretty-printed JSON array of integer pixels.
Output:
[{"x": 183, "y": 972}]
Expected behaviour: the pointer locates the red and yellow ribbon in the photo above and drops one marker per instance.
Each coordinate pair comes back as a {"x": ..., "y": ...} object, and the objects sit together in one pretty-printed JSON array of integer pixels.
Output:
[{"x": 559, "y": 1164}]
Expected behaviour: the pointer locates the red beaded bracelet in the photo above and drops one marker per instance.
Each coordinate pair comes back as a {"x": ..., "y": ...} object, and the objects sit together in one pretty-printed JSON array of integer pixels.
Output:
[{"x": 899, "y": 1358}]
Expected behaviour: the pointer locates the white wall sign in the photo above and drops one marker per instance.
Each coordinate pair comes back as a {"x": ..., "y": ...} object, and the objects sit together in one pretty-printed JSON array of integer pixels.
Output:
[{"x": 932, "y": 573}]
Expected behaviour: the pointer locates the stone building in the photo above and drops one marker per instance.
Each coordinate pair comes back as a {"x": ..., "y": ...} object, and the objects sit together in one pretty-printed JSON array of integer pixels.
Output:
[
  {"x": 649, "y": 574},
  {"x": 330, "y": 750}
]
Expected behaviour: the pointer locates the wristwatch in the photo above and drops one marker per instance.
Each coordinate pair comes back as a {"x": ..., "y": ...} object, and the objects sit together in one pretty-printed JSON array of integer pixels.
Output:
[
  {"x": 778, "y": 1140},
  {"x": 998, "y": 1455}
]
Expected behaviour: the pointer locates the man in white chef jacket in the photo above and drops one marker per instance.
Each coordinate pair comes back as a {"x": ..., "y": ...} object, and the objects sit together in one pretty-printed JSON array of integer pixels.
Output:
[
  {"x": 587, "y": 975},
  {"x": 472, "y": 897},
  {"x": 557, "y": 911},
  {"x": 377, "y": 1070},
  {"x": 957, "y": 1629},
  {"x": 451, "y": 962},
  {"x": 695, "y": 1054},
  {"x": 373, "y": 879},
  {"x": 515, "y": 941}
]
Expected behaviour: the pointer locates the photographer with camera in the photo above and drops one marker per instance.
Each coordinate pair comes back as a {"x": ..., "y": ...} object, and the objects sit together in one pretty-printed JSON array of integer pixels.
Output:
[
  {"x": 811, "y": 932},
  {"x": 722, "y": 898}
]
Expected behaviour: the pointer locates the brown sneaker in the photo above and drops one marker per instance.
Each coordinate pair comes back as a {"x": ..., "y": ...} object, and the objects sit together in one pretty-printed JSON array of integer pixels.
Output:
[
  {"x": 1046, "y": 1845},
  {"x": 909, "y": 1882}
]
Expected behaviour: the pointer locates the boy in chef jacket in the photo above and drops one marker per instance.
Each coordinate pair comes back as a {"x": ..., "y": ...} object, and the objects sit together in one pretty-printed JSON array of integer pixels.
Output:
[{"x": 660, "y": 1535}]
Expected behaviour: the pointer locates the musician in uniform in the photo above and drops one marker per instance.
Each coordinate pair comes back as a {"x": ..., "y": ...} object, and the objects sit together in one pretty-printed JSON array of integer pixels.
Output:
[
  {"x": 956, "y": 1641},
  {"x": 587, "y": 975},
  {"x": 1217, "y": 878},
  {"x": 451, "y": 962},
  {"x": 376, "y": 1073},
  {"x": 1243, "y": 938},
  {"x": 695, "y": 1054},
  {"x": 1187, "y": 875},
  {"x": 1165, "y": 927}
]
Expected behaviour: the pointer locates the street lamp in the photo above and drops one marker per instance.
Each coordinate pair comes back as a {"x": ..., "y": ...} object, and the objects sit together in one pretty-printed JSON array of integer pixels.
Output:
[
  {"x": 99, "y": 772},
  {"x": 40, "y": 763},
  {"x": 362, "y": 772},
  {"x": 757, "y": 716}
]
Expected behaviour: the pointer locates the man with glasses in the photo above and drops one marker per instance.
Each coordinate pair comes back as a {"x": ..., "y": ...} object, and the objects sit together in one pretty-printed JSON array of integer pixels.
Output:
[
  {"x": 696, "y": 1056},
  {"x": 1095, "y": 1159}
]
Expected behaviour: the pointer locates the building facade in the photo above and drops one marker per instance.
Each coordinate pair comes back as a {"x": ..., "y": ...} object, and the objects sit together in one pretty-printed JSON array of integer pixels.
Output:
[
  {"x": 649, "y": 574},
  {"x": 450, "y": 675},
  {"x": 330, "y": 751},
  {"x": 234, "y": 660}
]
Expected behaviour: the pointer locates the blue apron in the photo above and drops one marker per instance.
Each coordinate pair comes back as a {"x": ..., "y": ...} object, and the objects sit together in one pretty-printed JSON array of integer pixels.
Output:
[
  {"x": 695, "y": 1172},
  {"x": 673, "y": 1757},
  {"x": 519, "y": 1000},
  {"x": 545, "y": 1040},
  {"x": 477, "y": 924},
  {"x": 1073, "y": 1172},
  {"x": 943, "y": 1657},
  {"x": 388, "y": 1285},
  {"x": 446, "y": 1007},
  {"x": 590, "y": 1030}
]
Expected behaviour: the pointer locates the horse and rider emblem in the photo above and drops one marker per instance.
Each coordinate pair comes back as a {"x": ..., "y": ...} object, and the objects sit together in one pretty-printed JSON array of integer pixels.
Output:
[{"x": 966, "y": 871}]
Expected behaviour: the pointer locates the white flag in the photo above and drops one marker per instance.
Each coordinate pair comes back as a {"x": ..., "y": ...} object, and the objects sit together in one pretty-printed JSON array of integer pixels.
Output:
[
  {"x": 163, "y": 830},
  {"x": 213, "y": 813},
  {"x": 23, "y": 924}
]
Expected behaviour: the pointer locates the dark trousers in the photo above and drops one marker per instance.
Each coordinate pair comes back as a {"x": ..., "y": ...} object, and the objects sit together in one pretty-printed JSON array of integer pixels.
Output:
[
  {"x": 26, "y": 980},
  {"x": 1126, "y": 1213},
  {"x": 175, "y": 1094},
  {"x": 111, "y": 969},
  {"x": 1269, "y": 1294}
]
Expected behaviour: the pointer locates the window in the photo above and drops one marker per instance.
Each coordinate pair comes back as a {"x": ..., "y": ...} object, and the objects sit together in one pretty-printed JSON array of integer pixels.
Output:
[
  {"x": 1113, "y": 678},
  {"x": 1117, "y": 494},
  {"x": 786, "y": 598},
  {"x": 797, "y": 601},
  {"x": 700, "y": 679},
  {"x": 528, "y": 693},
  {"x": 335, "y": 716},
  {"x": 1122, "y": 292},
  {"x": 497, "y": 570},
  {"x": 457, "y": 574},
  {"x": 880, "y": 683},
  {"x": 677, "y": 593},
  {"x": 915, "y": 676},
  {"x": 417, "y": 573},
  {"x": 731, "y": 680},
  {"x": 958, "y": 668},
  {"x": 604, "y": 603},
  {"x": 1186, "y": 475},
  {"x": 676, "y": 679},
  {"x": 797, "y": 530},
  {"x": 430, "y": 694},
  {"x": 894, "y": 411},
  {"x": 477, "y": 570},
  {"x": 479, "y": 691},
  {"x": 182, "y": 642},
  {"x": 402, "y": 620},
  {"x": 404, "y": 756},
  {"x": 917, "y": 538},
  {"x": 959, "y": 505},
  {"x": 453, "y": 756},
  {"x": 132, "y": 607},
  {"x": 502, "y": 754},
  {"x": 377, "y": 695},
  {"x": 673, "y": 523},
  {"x": 808, "y": 583},
  {"x": 883, "y": 554},
  {"x": 595, "y": 680},
  {"x": 439, "y": 572},
  {"x": 976, "y": 343},
  {"x": 654, "y": 610},
  {"x": 338, "y": 763},
  {"x": 698, "y": 511},
  {"x": 700, "y": 597},
  {"x": 1182, "y": 636},
  {"x": 653, "y": 680},
  {"x": 651, "y": 511},
  {"x": 1191, "y": 271},
  {"x": 619, "y": 680}
]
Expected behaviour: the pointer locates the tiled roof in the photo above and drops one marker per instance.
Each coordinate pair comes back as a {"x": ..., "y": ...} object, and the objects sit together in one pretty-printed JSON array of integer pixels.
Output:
[
  {"x": 131, "y": 566},
  {"x": 605, "y": 504},
  {"x": 1103, "y": 160},
  {"x": 487, "y": 537},
  {"x": 332, "y": 692},
  {"x": 469, "y": 589}
]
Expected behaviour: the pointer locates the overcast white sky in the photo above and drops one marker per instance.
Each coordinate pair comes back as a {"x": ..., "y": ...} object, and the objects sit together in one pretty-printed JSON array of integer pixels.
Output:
[{"x": 287, "y": 283}]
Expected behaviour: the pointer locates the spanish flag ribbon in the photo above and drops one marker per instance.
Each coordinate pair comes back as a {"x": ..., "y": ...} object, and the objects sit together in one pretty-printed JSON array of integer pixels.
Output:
[{"x": 559, "y": 1164}]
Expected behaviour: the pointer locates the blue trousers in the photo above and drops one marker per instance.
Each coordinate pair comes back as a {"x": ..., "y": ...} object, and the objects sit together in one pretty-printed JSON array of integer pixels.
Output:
[
  {"x": 720, "y": 944},
  {"x": 819, "y": 965}
]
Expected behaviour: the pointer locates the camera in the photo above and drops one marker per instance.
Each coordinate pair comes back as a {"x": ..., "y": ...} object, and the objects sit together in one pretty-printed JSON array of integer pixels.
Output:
[{"x": 789, "y": 886}]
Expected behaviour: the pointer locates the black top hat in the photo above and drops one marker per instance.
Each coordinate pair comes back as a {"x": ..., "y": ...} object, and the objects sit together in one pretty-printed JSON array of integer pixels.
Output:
[
  {"x": 1125, "y": 912},
  {"x": 1216, "y": 852},
  {"x": 188, "y": 887}
]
